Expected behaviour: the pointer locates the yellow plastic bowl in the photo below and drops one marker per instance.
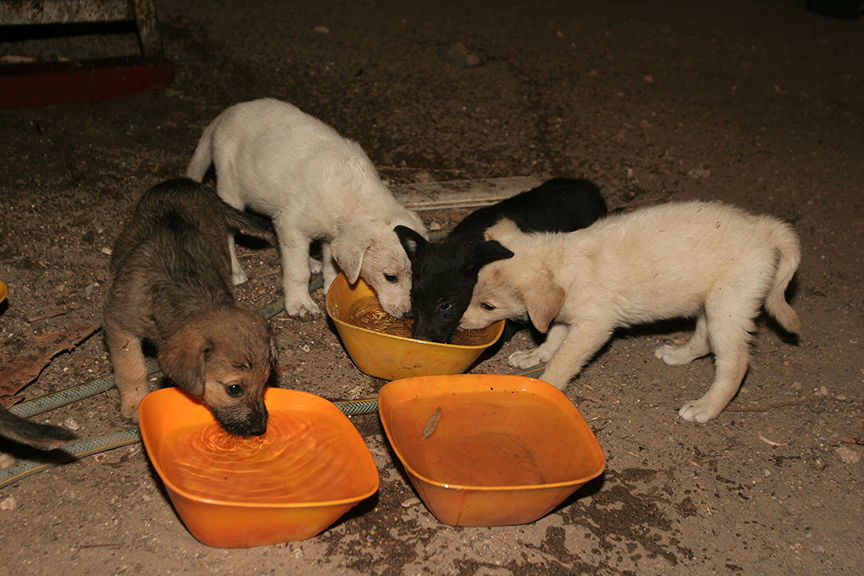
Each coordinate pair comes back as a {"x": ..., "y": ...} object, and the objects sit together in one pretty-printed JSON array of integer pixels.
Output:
[
  {"x": 3, "y": 291},
  {"x": 488, "y": 450},
  {"x": 292, "y": 483},
  {"x": 392, "y": 357}
]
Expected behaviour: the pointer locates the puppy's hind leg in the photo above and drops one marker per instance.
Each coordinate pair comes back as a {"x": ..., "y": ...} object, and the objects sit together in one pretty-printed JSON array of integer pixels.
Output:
[
  {"x": 130, "y": 368},
  {"x": 696, "y": 347},
  {"x": 729, "y": 326},
  {"x": 237, "y": 274}
]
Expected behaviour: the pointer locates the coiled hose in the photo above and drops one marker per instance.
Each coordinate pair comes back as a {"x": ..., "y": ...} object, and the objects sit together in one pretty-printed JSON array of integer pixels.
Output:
[{"x": 77, "y": 450}]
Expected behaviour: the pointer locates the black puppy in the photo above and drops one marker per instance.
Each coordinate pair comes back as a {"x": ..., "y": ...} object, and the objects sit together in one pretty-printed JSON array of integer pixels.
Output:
[{"x": 444, "y": 274}]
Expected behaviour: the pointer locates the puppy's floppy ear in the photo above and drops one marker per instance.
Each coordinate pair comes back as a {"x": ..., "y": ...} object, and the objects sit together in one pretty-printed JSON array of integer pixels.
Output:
[
  {"x": 413, "y": 243},
  {"x": 184, "y": 359},
  {"x": 543, "y": 300},
  {"x": 486, "y": 253},
  {"x": 349, "y": 248}
]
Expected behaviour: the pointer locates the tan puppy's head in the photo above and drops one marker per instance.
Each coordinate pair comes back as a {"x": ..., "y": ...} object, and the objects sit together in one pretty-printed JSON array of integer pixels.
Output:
[
  {"x": 372, "y": 250},
  {"x": 515, "y": 287},
  {"x": 224, "y": 358}
]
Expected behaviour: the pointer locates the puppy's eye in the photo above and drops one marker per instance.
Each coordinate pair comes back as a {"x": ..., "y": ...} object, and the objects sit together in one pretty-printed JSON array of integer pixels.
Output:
[
  {"x": 392, "y": 278},
  {"x": 234, "y": 390},
  {"x": 444, "y": 306},
  {"x": 486, "y": 306}
]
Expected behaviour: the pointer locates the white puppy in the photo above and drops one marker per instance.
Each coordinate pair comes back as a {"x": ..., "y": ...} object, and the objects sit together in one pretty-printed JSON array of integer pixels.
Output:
[
  {"x": 275, "y": 159},
  {"x": 708, "y": 260}
]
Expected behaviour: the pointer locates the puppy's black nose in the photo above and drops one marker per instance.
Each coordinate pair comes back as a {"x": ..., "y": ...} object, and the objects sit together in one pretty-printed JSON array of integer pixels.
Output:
[
  {"x": 252, "y": 425},
  {"x": 257, "y": 425}
]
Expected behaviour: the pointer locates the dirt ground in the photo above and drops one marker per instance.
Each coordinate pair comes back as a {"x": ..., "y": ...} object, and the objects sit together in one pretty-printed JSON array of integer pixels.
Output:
[{"x": 760, "y": 104}]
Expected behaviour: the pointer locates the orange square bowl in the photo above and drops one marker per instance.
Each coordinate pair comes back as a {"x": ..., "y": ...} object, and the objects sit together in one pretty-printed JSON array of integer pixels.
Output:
[
  {"x": 291, "y": 483},
  {"x": 488, "y": 450},
  {"x": 392, "y": 357}
]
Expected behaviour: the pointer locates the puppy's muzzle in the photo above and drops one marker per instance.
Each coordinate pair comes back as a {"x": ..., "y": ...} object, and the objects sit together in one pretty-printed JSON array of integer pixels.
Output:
[{"x": 245, "y": 423}]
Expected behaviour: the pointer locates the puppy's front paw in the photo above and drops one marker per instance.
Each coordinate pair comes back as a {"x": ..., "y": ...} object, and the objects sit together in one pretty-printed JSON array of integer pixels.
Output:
[
  {"x": 525, "y": 358},
  {"x": 129, "y": 410},
  {"x": 302, "y": 308},
  {"x": 132, "y": 392},
  {"x": 699, "y": 411}
]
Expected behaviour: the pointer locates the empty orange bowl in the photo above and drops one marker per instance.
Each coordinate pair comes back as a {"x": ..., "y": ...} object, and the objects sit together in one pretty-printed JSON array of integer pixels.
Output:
[
  {"x": 291, "y": 483},
  {"x": 391, "y": 357},
  {"x": 488, "y": 450}
]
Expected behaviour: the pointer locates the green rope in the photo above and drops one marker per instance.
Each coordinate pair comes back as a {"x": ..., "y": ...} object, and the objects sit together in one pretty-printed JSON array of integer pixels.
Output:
[
  {"x": 105, "y": 383},
  {"x": 79, "y": 450}
]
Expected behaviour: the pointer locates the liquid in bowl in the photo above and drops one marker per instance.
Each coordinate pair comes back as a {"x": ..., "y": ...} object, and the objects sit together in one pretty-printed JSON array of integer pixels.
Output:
[
  {"x": 294, "y": 461},
  {"x": 367, "y": 313}
]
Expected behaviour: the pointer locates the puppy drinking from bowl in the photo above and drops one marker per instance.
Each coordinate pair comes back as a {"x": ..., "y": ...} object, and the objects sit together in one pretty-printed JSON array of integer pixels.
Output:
[
  {"x": 708, "y": 260},
  {"x": 277, "y": 160},
  {"x": 444, "y": 273},
  {"x": 171, "y": 285}
]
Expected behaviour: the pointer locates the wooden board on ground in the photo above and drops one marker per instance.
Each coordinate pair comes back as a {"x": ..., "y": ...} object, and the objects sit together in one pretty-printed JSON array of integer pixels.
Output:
[{"x": 464, "y": 193}]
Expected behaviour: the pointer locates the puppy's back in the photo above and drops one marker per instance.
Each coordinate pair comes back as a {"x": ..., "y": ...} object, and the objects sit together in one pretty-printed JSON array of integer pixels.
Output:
[
  {"x": 176, "y": 207},
  {"x": 171, "y": 258},
  {"x": 661, "y": 249},
  {"x": 557, "y": 205}
]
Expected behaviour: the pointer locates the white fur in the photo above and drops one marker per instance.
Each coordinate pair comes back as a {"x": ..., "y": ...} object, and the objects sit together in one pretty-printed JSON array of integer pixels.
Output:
[
  {"x": 275, "y": 159},
  {"x": 708, "y": 260}
]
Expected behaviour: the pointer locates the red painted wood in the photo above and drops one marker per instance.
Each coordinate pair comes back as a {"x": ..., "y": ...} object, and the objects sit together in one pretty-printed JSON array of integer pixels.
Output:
[{"x": 41, "y": 84}]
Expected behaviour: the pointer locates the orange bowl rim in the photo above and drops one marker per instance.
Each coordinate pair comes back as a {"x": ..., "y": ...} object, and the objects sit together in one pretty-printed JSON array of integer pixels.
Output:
[
  {"x": 517, "y": 487},
  {"x": 348, "y": 325},
  {"x": 170, "y": 485}
]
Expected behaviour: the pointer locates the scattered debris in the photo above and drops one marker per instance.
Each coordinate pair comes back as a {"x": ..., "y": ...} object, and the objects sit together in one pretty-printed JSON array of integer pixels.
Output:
[
  {"x": 9, "y": 503},
  {"x": 432, "y": 424},
  {"x": 459, "y": 55},
  {"x": 27, "y": 366},
  {"x": 772, "y": 442},
  {"x": 699, "y": 173},
  {"x": 59, "y": 311},
  {"x": 848, "y": 455},
  {"x": 800, "y": 400}
]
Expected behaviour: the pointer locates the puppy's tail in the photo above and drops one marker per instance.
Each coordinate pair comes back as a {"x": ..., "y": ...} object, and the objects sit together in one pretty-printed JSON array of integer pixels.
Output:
[
  {"x": 43, "y": 436},
  {"x": 239, "y": 220},
  {"x": 788, "y": 246},
  {"x": 203, "y": 156}
]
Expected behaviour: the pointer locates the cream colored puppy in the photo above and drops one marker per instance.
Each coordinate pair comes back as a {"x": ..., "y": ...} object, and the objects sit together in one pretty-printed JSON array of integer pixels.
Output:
[
  {"x": 277, "y": 160},
  {"x": 708, "y": 260}
]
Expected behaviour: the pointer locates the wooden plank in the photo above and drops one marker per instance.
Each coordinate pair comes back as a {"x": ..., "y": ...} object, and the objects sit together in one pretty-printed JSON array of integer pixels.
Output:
[{"x": 463, "y": 193}]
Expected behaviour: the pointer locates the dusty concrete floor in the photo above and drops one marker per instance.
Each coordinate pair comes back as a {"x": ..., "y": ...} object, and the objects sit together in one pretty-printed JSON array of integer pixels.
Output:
[{"x": 760, "y": 105}]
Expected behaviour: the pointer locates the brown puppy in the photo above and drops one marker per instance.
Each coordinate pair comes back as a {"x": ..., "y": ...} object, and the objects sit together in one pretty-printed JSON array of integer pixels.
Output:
[{"x": 171, "y": 285}]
